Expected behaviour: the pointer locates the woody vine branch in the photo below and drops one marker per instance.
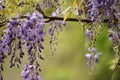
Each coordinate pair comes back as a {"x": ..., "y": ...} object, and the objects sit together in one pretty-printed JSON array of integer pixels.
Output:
[{"x": 50, "y": 18}]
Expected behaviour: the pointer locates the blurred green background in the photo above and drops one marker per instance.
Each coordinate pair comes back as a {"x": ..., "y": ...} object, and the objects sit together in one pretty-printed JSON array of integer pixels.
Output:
[{"x": 69, "y": 61}]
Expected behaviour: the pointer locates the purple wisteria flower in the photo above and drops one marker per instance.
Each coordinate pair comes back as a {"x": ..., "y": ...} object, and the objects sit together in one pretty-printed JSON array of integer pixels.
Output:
[
  {"x": 89, "y": 63},
  {"x": 92, "y": 49},
  {"x": 2, "y": 55},
  {"x": 55, "y": 27},
  {"x": 89, "y": 34},
  {"x": 28, "y": 32},
  {"x": 96, "y": 58},
  {"x": 30, "y": 73},
  {"x": 56, "y": 0},
  {"x": 48, "y": 3},
  {"x": 1, "y": 77},
  {"x": 114, "y": 36},
  {"x": 111, "y": 33},
  {"x": 56, "y": 12}
]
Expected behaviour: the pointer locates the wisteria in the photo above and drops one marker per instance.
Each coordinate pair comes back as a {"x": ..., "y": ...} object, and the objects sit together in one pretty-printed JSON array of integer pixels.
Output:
[
  {"x": 93, "y": 58},
  {"x": 97, "y": 11},
  {"x": 96, "y": 58},
  {"x": 27, "y": 30},
  {"x": 28, "y": 33},
  {"x": 54, "y": 29},
  {"x": 89, "y": 63},
  {"x": 48, "y": 3},
  {"x": 30, "y": 73}
]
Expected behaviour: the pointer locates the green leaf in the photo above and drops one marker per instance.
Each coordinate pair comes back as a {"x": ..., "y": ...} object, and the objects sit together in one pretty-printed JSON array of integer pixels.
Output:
[
  {"x": 76, "y": 3},
  {"x": 15, "y": 2},
  {"x": 113, "y": 63},
  {"x": 49, "y": 11},
  {"x": 67, "y": 15},
  {"x": 66, "y": 10}
]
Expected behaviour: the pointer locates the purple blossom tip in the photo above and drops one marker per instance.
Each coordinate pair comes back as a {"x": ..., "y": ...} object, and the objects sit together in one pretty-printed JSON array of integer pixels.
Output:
[
  {"x": 96, "y": 57},
  {"x": 89, "y": 56},
  {"x": 92, "y": 50}
]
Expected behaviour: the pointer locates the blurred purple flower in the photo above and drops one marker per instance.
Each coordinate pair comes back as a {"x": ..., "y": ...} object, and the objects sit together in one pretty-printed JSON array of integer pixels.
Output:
[
  {"x": 96, "y": 58},
  {"x": 92, "y": 50},
  {"x": 89, "y": 57},
  {"x": 89, "y": 34},
  {"x": 30, "y": 73}
]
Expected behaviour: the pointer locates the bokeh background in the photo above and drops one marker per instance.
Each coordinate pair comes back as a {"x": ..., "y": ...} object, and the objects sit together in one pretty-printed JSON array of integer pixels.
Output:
[{"x": 68, "y": 61}]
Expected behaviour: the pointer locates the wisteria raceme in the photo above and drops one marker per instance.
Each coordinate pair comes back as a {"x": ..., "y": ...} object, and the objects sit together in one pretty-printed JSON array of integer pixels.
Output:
[
  {"x": 30, "y": 73},
  {"x": 2, "y": 55},
  {"x": 97, "y": 11},
  {"x": 54, "y": 29},
  {"x": 29, "y": 32},
  {"x": 9, "y": 40},
  {"x": 93, "y": 57}
]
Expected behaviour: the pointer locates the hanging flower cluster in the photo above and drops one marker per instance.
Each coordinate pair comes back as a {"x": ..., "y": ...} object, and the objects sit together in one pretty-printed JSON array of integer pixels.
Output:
[
  {"x": 93, "y": 58},
  {"x": 28, "y": 33}
]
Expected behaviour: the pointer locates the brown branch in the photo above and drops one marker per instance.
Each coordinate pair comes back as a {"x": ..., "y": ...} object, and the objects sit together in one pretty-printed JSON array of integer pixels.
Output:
[
  {"x": 52, "y": 19},
  {"x": 68, "y": 19},
  {"x": 3, "y": 23}
]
